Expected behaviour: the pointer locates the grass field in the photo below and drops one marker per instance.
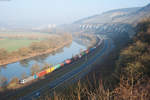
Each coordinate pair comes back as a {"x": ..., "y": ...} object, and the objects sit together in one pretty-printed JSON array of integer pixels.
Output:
[
  {"x": 14, "y": 44},
  {"x": 53, "y": 76}
]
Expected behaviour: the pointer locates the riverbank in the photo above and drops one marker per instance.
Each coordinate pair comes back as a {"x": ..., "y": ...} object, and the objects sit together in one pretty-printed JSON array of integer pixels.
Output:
[
  {"x": 33, "y": 54},
  {"x": 22, "y": 89}
]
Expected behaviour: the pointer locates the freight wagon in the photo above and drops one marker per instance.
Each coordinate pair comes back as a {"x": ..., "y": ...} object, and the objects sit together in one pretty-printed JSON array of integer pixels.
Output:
[
  {"x": 48, "y": 70},
  {"x": 87, "y": 51},
  {"x": 62, "y": 64},
  {"x": 52, "y": 69},
  {"x": 35, "y": 76},
  {"x": 68, "y": 61},
  {"x": 28, "y": 79},
  {"x": 57, "y": 66},
  {"x": 75, "y": 57},
  {"x": 42, "y": 73},
  {"x": 83, "y": 53}
]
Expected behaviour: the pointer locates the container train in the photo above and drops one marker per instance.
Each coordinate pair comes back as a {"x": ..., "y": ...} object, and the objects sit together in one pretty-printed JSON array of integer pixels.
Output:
[{"x": 66, "y": 62}]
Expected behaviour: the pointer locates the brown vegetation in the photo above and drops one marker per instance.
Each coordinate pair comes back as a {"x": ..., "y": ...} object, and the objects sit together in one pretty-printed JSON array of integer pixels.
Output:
[
  {"x": 27, "y": 35},
  {"x": 49, "y": 45},
  {"x": 87, "y": 39},
  {"x": 130, "y": 81}
]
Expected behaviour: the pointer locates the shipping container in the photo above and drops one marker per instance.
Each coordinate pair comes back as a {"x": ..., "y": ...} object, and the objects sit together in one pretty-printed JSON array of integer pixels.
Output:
[
  {"x": 82, "y": 53},
  {"x": 48, "y": 70},
  {"x": 52, "y": 69},
  {"x": 87, "y": 51},
  {"x": 57, "y": 66},
  {"x": 76, "y": 57},
  {"x": 68, "y": 61},
  {"x": 35, "y": 76},
  {"x": 30, "y": 78},
  {"x": 62, "y": 64},
  {"x": 42, "y": 73}
]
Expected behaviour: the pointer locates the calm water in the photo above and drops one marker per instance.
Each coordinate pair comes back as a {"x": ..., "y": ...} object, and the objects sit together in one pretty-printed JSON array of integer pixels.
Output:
[{"x": 17, "y": 69}]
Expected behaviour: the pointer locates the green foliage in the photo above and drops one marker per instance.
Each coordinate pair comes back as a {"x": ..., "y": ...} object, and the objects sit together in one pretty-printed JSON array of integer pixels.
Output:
[
  {"x": 136, "y": 57},
  {"x": 14, "y": 44},
  {"x": 143, "y": 30},
  {"x": 3, "y": 54},
  {"x": 29, "y": 47},
  {"x": 133, "y": 66},
  {"x": 143, "y": 25}
]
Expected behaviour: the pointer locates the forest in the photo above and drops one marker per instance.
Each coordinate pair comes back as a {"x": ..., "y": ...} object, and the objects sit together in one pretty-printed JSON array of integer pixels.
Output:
[{"x": 125, "y": 77}]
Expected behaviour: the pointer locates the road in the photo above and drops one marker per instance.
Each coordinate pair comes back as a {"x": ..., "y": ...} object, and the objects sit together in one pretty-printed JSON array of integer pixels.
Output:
[{"x": 69, "y": 75}]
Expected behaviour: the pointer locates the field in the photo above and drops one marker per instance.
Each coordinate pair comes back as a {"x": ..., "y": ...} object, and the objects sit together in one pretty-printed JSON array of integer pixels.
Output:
[
  {"x": 42, "y": 44},
  {"x": 14, "y": 44},
  {"x": 12, "y": 41}
]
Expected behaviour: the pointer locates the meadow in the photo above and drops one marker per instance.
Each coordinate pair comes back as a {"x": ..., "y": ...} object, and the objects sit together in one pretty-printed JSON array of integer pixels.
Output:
[
  {"x": 12, "y": 41},
  {"x": 15, "y": 47},
  {"x": 14, "y": 44}
]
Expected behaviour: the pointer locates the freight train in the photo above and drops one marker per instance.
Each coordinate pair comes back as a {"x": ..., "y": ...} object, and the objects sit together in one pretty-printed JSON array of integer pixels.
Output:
[{"x": 66, "y": 62}]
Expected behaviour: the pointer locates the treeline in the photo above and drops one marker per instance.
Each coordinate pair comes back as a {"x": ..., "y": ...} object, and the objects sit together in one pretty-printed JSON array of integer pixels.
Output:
[
  {"x": 87, "y": 39},
  {"x": 130, "y": 79},
  {"x": 36, "y": 48},
  {"x": 133, "y": 66},
  {"x": 30, "y": 35}
]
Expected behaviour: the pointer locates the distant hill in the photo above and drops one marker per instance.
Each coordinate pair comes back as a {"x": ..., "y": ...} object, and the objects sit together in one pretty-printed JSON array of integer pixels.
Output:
[
  {"x": 117, "y": 24},
  {"x": 126, "y": 15}
]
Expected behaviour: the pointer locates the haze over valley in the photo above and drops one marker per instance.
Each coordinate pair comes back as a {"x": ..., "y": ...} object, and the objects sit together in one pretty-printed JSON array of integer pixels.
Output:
[{"x": 74, "y": 50}]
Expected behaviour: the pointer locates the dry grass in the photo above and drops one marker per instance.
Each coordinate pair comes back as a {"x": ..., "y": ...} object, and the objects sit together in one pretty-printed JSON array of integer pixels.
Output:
[
  {"x": 96, "y": 90},
  {"x": 137, "y": 91},
  {"x": 132, "y": 73}
]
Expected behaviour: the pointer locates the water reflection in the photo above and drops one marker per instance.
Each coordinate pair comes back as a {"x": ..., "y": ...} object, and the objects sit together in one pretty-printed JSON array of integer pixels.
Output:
[
  {"x": 3, "y": 81},
  {"x": 23, "y": 68},
  {"x": 41, "y": 58},
  {"x": 3, "y": 67},
  {"x": 24, "y": 63}
]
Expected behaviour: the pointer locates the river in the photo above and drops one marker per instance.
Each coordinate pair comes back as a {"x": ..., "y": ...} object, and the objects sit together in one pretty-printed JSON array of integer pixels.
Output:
[{"x": 24, "y": 67}]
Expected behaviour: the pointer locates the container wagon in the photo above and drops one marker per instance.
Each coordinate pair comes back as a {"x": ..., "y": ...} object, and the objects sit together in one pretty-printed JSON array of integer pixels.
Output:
[
  {"x": 82, "y": 53},
  {"x": 52, "y": 69},
  {"x": 28, "y": 79},
  {"x": 42, "y": 73},
  {"x": 35, "y": 76},
  {"x": 57, "y": 66},
  {"x": 48, "y": 70},
  {"x": 68, "y": 61},
  {"x": 87, "y": 51},
  {"x": 62, "y": 64},
  {"x": 75, "y": 57}
]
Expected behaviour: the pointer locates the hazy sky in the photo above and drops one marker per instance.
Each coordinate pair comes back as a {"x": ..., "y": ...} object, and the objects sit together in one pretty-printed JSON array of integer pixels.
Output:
[{"x": 59, "y": 11}]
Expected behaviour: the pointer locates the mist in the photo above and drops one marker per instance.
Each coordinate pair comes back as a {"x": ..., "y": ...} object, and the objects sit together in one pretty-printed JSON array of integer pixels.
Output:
[{"x": 23, "y": 13}]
